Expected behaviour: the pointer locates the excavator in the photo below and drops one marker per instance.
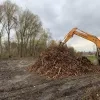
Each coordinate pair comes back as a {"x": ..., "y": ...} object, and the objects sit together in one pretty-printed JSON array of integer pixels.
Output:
[{"x": 85, "y": 35}]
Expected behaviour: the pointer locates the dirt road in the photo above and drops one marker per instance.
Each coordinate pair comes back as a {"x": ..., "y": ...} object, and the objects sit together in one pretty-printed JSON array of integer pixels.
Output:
[{"x": 16, "y": 83}]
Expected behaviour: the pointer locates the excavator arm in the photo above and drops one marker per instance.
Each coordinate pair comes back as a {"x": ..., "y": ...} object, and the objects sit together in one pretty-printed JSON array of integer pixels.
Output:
[
  {"x": 82, "y": 34},
  {"x": 92, "y": 38}
]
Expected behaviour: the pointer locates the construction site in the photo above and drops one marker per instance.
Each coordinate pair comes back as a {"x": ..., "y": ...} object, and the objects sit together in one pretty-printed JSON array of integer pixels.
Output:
[
  {"x": 57, "y": 74},
  {"x": 39, "y": 57},
  {"x": 59, "y": 61}
]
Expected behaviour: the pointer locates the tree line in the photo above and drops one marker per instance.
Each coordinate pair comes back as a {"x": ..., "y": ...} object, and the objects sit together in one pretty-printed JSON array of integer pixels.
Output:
[{"x": 29, "y": 36}]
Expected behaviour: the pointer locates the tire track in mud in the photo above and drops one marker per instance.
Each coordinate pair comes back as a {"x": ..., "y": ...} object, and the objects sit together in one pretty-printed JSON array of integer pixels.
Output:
[{"x": 52, "y": 88}]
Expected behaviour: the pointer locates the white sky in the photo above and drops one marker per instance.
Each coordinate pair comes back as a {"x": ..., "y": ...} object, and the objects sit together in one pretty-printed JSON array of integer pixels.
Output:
[{"x": 60, "y": 16}]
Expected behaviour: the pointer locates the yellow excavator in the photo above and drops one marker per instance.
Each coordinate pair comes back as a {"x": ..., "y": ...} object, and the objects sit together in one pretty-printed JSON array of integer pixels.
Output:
[{"x": 85, "y": 35}]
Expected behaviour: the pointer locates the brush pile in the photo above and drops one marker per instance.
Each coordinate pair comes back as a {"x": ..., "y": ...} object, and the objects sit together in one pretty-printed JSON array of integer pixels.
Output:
[{"x": 58, "y": 62}]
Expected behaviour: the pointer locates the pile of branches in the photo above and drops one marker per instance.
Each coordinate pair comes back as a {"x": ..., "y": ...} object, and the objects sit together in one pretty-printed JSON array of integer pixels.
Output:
[{"x": 58, "y": 62}]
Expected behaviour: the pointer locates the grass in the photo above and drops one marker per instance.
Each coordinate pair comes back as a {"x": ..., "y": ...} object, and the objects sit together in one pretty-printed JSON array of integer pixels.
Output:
[{"x": 91, "y": 57}]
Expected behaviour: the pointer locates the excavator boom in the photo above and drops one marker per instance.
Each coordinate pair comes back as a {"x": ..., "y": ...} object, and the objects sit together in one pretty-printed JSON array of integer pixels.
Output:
[
  {"x": 92, "y": 38},
  {"x": 82, "y": 34}
]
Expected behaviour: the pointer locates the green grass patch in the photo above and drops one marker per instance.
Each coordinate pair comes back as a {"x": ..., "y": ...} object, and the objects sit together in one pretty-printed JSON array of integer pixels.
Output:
[{"x": 91, "y": 57}]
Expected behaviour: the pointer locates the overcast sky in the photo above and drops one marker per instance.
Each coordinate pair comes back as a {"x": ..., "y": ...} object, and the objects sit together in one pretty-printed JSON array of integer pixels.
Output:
[{"x": 60, "y": 16}]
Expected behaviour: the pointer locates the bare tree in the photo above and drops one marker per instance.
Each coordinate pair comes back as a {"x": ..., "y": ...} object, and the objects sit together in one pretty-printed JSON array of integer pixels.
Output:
[
  {"x": 24, "y": 23},
  {"x": 10, "y": 10},
  {"x": 30, "y": 38},
  {"x": 35, "y": 32},
  {"x": 28, "y": 30},
  {"x": 2, "y": 24},
  {"x": 42, "y": 41}
]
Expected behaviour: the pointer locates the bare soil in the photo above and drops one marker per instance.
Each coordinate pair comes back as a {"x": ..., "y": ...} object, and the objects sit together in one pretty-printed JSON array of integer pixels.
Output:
[{"x": 16, "y": 83}]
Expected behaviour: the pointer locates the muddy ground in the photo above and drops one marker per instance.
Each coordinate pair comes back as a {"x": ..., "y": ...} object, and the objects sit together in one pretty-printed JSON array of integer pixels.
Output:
[{"x": 16, "y": 83}]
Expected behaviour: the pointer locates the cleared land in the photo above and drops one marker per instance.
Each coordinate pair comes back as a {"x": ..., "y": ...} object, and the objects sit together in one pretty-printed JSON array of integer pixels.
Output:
[{"x": 16, "y": 83}]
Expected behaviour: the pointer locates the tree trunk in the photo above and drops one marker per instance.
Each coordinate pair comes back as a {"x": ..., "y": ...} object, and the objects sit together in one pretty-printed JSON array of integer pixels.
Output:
[
  {"x": 9, "y": 53},
  {"x": 33, "y": 46},
  {"x": 0, "y": 47},
  {"x": 18, "y": 44},
  {"x": 21, "y": 49},
  {"x": 25, "y": 48},
  {"x": 18, "y": 49},
  {"x": 27, "y": 45},
  {"x": 30, "y": 46}
]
